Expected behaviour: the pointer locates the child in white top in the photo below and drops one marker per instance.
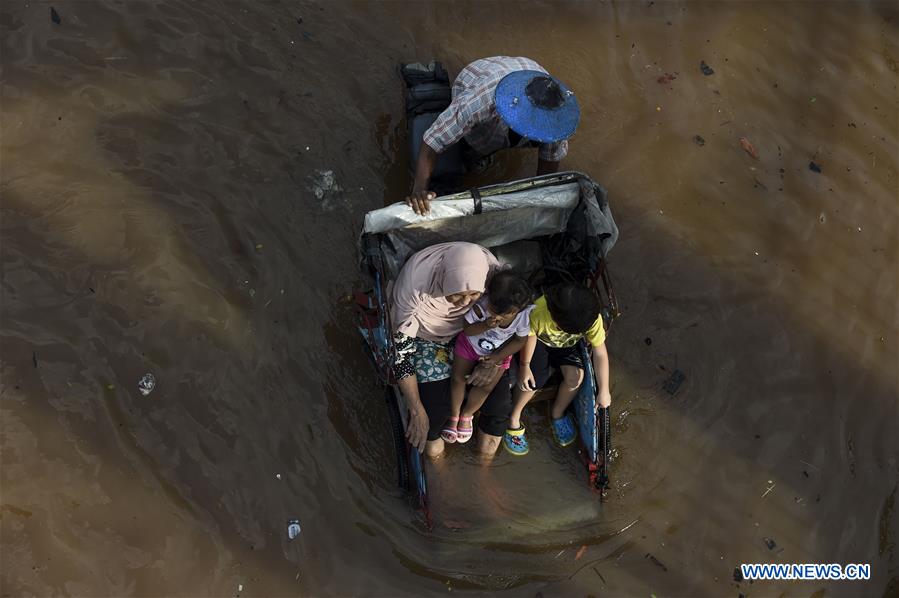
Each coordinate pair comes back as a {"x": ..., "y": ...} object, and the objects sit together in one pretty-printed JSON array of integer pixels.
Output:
[{"x": 495, "y": 328}]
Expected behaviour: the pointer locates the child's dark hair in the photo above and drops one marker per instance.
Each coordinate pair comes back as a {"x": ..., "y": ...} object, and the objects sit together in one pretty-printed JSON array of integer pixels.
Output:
[
  {"x": 507, "y": 291},
  {"x": 573, "y": 307}
]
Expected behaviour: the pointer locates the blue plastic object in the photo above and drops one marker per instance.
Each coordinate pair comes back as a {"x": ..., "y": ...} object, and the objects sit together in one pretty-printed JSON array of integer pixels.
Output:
[{"x": 538, "y": 123}]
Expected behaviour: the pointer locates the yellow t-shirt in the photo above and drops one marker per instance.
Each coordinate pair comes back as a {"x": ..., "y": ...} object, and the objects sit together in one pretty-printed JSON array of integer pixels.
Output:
[{"x": 545, "y": 329}]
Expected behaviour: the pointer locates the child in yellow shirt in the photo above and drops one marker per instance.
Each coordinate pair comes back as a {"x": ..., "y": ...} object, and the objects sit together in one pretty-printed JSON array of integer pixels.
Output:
[{"x": 564, "y": 315}]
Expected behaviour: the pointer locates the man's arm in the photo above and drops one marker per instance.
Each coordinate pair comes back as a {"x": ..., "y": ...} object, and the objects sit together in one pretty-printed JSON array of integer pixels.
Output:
[
  {"x": 452, "y": 124},
  {"x": 420, "y": 198},
  {"x": 550, "y": 155},
  {"x": 546, "y": 166}
]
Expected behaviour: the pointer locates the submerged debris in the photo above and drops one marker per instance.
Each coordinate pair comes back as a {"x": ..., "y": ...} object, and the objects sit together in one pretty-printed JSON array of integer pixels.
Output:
[
  {"x": 706, "y": 69},
  {"x": 324, "y": 187},
  {"x": 674, "y": 381},
  {"x": 814, "y": 167},
  {"x": 698, "y": 140},
  {"x": 655, "y": 561},
  {"x": 54, "y": 16},
  {"x": 770, "y": 543}
]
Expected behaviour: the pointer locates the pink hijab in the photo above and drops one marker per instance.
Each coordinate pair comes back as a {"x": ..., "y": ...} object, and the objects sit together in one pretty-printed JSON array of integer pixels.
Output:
[{"x": 419, "y": 308}]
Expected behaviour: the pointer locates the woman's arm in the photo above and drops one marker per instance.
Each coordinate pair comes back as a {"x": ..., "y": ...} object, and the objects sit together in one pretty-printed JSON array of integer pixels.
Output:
[
  {"x": 417, "y": 429},
  {"x": 404, "y": 372},
  {"x": 601, "y": 371}
]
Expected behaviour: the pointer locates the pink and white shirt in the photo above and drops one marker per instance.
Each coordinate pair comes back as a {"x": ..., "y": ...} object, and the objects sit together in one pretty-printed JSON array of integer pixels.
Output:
[{"x": 489, "y": 341}]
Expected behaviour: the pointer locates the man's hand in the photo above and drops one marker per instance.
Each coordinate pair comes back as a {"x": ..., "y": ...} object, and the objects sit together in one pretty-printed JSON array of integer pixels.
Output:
[
  {"x": 420, "y": 201},
  {"x": 481, "y": 375},
  {"x": 417, "y": 429},
  {"x": 604, "y": 399},
  {"x": 526, "y": 380}
]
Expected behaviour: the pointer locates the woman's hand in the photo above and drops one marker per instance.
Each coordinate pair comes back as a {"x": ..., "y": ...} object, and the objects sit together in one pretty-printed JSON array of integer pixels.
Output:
[
  {"x": 481, "y": 375},
  {"x": 604, "y": 399},
  {"x": 417, "y": 429},
  {"x": 526, "y": 380}
]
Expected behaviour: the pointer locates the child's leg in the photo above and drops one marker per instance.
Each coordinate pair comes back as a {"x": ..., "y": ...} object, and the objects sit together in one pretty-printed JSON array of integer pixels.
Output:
[
  {"x": 478, "y": 394},
  {"x": 520, "y": 398},
  {"x": 462, "y": 367},
  {"x": 541, "y": 370},
  {"x": 476, "y": 397},
  {"x": 572, "y": 378}
]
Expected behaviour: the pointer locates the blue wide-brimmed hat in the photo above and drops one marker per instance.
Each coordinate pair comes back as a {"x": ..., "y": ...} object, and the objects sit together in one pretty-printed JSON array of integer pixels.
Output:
[{"x": 537, "y": 106}]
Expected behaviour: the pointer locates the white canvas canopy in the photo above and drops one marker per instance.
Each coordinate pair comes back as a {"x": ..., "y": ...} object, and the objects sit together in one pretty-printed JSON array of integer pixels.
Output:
[{"x": 508, "y": 213}]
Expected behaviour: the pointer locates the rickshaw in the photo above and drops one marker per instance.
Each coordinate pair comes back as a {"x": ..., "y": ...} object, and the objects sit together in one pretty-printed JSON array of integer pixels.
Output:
[{"x": 549, "y": 229}]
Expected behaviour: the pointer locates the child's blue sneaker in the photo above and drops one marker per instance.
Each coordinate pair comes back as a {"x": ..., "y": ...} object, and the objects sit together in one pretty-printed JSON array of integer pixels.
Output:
[
  {"x": 563, "y": 430},
  {"x": 516, "y": 442}
]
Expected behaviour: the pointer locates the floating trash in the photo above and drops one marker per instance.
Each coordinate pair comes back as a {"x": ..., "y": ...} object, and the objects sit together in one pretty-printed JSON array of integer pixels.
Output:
[
  {"x": 706, "y": 69},
  {"x": 54, "y": 16},
  {"x": 666, "y": 78},
  {"x": 698, "y": 140},
  {"x": 749, "y": 148},
  {"x": 293, "y": 528},
  {"x": 814, "y": 167},
  {"x": 146, "y": 384}
]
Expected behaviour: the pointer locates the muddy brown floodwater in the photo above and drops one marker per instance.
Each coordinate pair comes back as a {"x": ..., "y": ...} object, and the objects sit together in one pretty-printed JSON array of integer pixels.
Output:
[{"x": 182, "y": 186}]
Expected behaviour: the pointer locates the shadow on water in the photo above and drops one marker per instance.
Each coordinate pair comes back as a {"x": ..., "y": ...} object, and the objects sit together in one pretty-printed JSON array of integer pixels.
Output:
[{"x": 158, "y": 229}]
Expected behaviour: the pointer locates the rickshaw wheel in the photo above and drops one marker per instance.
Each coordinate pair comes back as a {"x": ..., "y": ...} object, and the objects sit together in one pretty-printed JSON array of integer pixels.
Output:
[{"x": 399, "y": 441}]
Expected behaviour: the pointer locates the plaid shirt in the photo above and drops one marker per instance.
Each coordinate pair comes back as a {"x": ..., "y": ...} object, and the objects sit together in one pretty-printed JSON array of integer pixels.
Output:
[{"x": 472, "y": 113}]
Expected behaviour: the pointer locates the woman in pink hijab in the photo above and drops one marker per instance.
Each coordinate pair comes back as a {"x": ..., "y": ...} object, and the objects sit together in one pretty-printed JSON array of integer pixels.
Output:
[{"x": 433, "y": 291}]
